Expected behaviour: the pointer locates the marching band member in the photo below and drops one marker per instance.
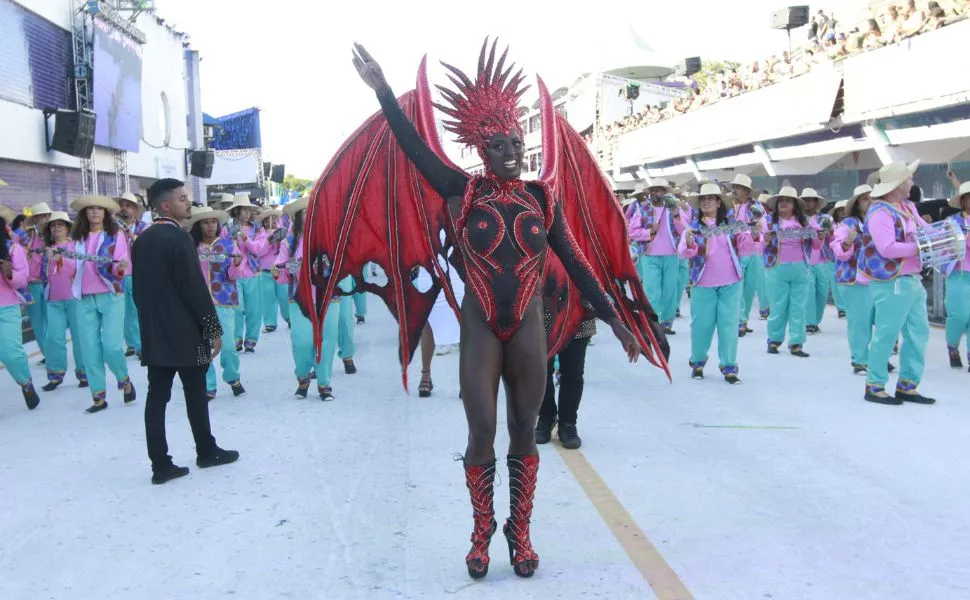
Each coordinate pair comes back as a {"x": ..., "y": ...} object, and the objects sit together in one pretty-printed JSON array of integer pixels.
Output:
[
  {"x": 683, "y": 265},
  {"x": 656, "y": 229},
  {"x": 221, "y": 264},
  {"x": 749, "y": 251},
  {"x": 958, "y": 284},
  {"x": 716, "y": 275},
  {"x": 99, "y": 288},
  {"x": 890, "y": 261},
  {"x": 273, "y": 295},
  {"x": 837, "y": 212},
  {"x": 847, "y": 244},
  {"x": 346, "y": 348},
  {"x": 821, "y": 265},
  {"x": 786, "y": 270},
  {"x": 764, "y": 305},
  {"x": 13, "y": 293},
  {"x": 33, "y": 240},
  {"x": 301, "y": 331},
  {"x": 61, "y": 304},
  {"x": 250, "y": 246},
  {"x": 129, "y": 218}
]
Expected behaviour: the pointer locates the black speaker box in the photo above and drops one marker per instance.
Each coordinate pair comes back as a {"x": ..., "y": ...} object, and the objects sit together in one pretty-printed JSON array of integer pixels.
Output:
[
  {"x": 201, "y": 162},
  {"x": 74, "y": 133},
  {"x": 279, "y": 172},
  {"x": 266, "y": 168},
  {"x": 789, "y": 18}
]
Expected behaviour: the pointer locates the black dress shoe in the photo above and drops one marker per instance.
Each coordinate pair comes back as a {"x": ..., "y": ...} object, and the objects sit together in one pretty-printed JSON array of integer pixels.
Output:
[
  {"x": 131, "y": 395},
  {"x": 697, "y": 373},
  {"x": 349, "y": 367},
  {"x": 869, "y": 397},
  {"x": 216, "y": 458},
  {"x": 732, "y": 379},
  {"x": 31, "y": 399},
  {"x": 568, "y": 436},
  {"x": 360, "y": 320},
  {"x": 50, "y": 386},
  {"x": 237, "y": 389},
  {"x": 955, "y": 361},
  {"x": 164, "y": 474},
  {"x": 797, "y": 351},
  {"x": 96, "y": 407},
  {"x": 543, "y": 432},
  {"x": 915, "y": 398}
]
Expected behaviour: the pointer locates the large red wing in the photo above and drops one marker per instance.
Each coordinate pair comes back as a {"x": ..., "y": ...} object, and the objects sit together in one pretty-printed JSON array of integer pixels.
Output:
[
  {"x": 595, "y": 218},
  {"x": 371, "y": 205}
]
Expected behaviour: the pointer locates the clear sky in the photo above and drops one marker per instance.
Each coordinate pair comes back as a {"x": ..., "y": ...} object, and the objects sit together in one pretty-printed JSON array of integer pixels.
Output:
[{"x": 291, "y": 58}]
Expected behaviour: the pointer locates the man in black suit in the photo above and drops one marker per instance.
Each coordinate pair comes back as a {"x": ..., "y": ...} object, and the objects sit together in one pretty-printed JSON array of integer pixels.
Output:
[{"x": 180, "y": 330}]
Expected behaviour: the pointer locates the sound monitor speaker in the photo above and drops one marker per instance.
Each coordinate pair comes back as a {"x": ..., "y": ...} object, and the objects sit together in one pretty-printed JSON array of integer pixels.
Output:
[
  {"x": 688, "y": 67},
  {"x": 74, "y": 133},
  {"x": 202, "y": 161},
  {"x": 278, "y": 173},
  {"x": 267, "y": 167},
  {"x": 789, "y": 18}
]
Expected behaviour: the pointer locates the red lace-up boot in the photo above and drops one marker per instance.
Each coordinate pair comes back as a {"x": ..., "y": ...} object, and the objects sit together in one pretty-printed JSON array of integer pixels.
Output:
[
  {"x": 480, "y": 480},
  {"x": 523, "y": 473}
]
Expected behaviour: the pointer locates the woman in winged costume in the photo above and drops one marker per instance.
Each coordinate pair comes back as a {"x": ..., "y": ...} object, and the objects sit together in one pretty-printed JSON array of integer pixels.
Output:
[{"x": 386, "y": 199}]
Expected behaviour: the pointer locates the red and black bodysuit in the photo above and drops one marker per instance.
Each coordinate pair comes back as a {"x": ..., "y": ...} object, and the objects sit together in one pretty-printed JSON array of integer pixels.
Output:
[{"x": 502, "y": 229}]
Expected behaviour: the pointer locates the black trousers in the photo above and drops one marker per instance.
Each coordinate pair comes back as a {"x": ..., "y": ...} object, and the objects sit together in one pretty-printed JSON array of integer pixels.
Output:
[
  {"x": 572, "y": 363},
  {"x": 196, "y": 405}
]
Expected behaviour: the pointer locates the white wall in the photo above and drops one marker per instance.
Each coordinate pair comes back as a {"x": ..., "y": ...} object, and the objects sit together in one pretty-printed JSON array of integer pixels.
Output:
[{"x": 162, "y": 70}]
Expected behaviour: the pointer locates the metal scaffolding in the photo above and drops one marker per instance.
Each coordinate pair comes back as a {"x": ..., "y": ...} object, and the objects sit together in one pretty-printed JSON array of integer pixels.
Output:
[{"x": 80, "y": 37}]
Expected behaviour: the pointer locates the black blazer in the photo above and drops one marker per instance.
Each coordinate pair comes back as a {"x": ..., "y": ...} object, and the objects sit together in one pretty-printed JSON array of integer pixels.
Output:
[{"x": 175, "y": 310}]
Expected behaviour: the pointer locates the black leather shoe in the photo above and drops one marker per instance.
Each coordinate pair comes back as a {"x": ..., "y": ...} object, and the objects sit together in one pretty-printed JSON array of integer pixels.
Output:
[
  {"x": 915, "y": 398},
  {"x": 543, "y": 432},
  {"x": 216, "y": 458},
  {"x": 168, "y": 473},
  {"x": 568, "y": 437},
  {"x": 883, "y": 399}
]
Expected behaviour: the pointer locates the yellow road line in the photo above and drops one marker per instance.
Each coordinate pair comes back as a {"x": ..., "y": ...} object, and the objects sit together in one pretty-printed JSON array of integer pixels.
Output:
[{"x": 659, "y": 575}]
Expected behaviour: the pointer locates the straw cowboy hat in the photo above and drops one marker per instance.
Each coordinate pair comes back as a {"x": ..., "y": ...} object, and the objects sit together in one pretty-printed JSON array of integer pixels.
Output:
[
  {"x": 640, "y": 189},
  {"x": 809, "y": 193},
  {"x": 38, "y": 210},
  {"x": 892, "y": 176},
  {"x": 710, "y": 189},
  {"x": 763, "y": 198},
  {"x": 659, "y": 183},
  {"x": 241, "y": 200},
  {"x": 221, "y": 199},
  {"x": 291, "y": 208},
  {"x": 956, "y": 201},
  {"x": 274, "y": 212},
  {"x": 628, "y": 200},
  {"x": 742, "y": 180},
  {"x": 831, "y": 208},
  {"x": 100, "y": 201},
  {"x": 129, "y": 197},
  {"x": 785, "y": 192},
  {"x": 57, "y": 215},
  {"x": 7, "y": 215},
  {"x": 856, "y": 194},
  {"x": 201, "y": 213}
]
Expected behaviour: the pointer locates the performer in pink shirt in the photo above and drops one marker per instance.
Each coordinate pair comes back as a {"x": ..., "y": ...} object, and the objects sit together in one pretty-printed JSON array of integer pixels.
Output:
[
  {"x": 102, "y": 251},
  {"x": 33, "y": 240},
  {"x": 821, "y": 264},
  {"x": 61, "y": 304},
  {"x": 243, "y": 213},
  {"x": 130, "y": 220},
  {"x": 273, "y": 295},
  {"x": 13, "y": 293},
  {"x": 958, "y": 284},
  {"x": 749, "y": 251}
]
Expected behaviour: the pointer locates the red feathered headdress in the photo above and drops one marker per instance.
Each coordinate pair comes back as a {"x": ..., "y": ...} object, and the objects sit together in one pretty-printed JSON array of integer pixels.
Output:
[{"x": 487, "y": 106}]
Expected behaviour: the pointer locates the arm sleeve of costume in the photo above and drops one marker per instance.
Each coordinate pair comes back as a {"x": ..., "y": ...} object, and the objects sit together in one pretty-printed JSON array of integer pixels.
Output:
[
  {"x": 638, "y": 233},
  {"x": 838, "y": 242},
  {"x": 686, "y": 250},
  {"x": 191, "y": 287},
  {"x": 283, "y": 256},
  {"x": 564, "y": 245},
  {"x": 681, "y": 224},
  {"x": 235, "y": 271},
  {"x": 446, "y": 181},
  {"x": 121, "y": 253},
  {"x": 19, "y": 267},
  {"x": 883, "y": 233}
]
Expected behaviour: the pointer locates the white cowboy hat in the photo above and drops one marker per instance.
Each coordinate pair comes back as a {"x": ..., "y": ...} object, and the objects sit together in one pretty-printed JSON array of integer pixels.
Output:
[
  {"x": 785, "y": 192},
  {"x": 628, "y": 200},
  {"x": 222, "y": 198},
  {"x": 38, "y": 210},
  {"x": 710, "y": 189},
  {"x": 241, "y": 200},
  {"x": 856, "y": 194},
  {"x": 274, "y": 212},
  {"x": 892, "y": 176},
  {"x": 808, "y": 193},
  {"x": 57, "y": 215},
  {"x": 955, "y": 202},
  {"x": 7, "y": 215},
  {"x": 291, "y": 208},
  {"x": 129, "y": 197},
  {"x": 201, "y": 213},
  {"x": 742, "y": 180},
  {"x": 659, "y": 183},
  {"x": 831, "y": 208},
  {"x": 100, "y": 201},
  {"x": 763, "y": 198},
  {"x": 640, "y": 189}
]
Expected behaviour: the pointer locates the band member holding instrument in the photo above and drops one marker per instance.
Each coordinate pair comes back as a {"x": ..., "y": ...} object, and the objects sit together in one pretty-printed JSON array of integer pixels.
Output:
[
  {"x": 272, "y": 293},
  {"x": 61, "y": 304},
  {"x": 847, "y": 245},
  {"x": 890, "y": 261},
  {"x": 837, "y": 212},
  {"x": 821, "y": 265},
  {"x": 130, "y": 221},
  {"x": 33, "y": 241},
  {"x": 958, "y": 284},
  {"x": 13, "y": 294},
  {"x": 749, "y": 251},
  {"x": 249, "y": 320}
]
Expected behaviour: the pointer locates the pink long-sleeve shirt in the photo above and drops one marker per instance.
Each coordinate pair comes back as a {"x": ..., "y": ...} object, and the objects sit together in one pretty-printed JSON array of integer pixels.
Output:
[
  {"x": 60, "y": 274},
  {"x": 18, "y": 279},
  {"x": 817, "y": 257},
  {"x": 252, "y": 247},
  {"x": 268, "y": 251},
  {"x": 719, "y": 268},
  {"x": 964, "y": 265},
  {"x": 790, "y": 251},
  {"x": 91, "y": 282},
  {"x": 282, "y": 257},
  {"x": 747, "y": 245},
  {"x": 35, "y": 260},
  {"x": 883, "y": 232},
  {"x": 661, "y": 244}
]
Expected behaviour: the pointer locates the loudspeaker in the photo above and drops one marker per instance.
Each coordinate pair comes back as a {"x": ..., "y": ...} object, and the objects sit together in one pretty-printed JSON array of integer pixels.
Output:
[
  {"x": 278, "y": 173},
  {"x": 688, "y": 66},
  {"x": 74, "y": 133},
  {"x": 201, "y": 161},
  {"x": 266, "y": 168},
  {"x": 789, "y": 18},
  {"x": 632, "y": 91}
]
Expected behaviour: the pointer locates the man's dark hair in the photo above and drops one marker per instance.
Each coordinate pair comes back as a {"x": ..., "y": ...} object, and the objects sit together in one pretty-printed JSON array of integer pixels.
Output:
[{"x": 160, "y": 190}]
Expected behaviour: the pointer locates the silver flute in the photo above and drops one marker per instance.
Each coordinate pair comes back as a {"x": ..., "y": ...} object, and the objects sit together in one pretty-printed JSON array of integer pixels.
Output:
[
  {"x": 104, "y": 260},
  {"x": 292, "y": 266},
  {"x": 216, "y": 257}
]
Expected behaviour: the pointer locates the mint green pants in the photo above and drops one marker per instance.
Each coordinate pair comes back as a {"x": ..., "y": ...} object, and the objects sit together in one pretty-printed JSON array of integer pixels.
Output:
[
  {"x": 61, "y": 317},
  {"x": 345, "y": 329},
  {"x": 132, "y": 328},
  {"x": 228, "y": 358},
  {"x": 682, "y": 283},
  {"x": 837, "y": 293},
  {"x": 752, "y": 274},
  {"x": 900, "y": 306},
  {"x": 788, "y": 288},
  {"x": 661, "y": 282},
  {"x": 12, "y": 353},
  {"x": 764, "y": 299},
  {"x": 301, "y": 341},
  {"x": 37, "y": 314},
  {"x": 958, "y": 310},
  {"x": 274, "y": 298},
  {"x": 822, "y": 276},
  {"x": 251, "y": 311},
  {"x": 360, "y": 304},
  {"x": 715, "y": 308},
  {"x": 860, "y": 317},
  {"x": 101, "y": 327}
]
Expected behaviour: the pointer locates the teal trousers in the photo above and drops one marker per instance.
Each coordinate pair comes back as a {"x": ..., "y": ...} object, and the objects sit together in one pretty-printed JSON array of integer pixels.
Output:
[
  {"x": 900, "y": 307},
  {"x": 37, "y": 313},
  {"x": 957, "y": 305},
  {"x": 715, "y": 309},
  {"x": 682, "y": 283},
  {"x": 751, "y": 275},
  {"x": 345, "y": 336},
  {"x": 12, "y": 353},
  {"x": 132, "y": 329},
  {"x": 61, "y": 317},
  {"x": 837, "y": 293},
  {"x": 250, "y": 317},
  {"x": 228, "y": 358},
  {"x": 360, "y": 304},
  {"x": 661, "y": 282},
  {"x": 788, "y": 287},
  {"x": 859, "y": 316},
  {"x": 274, "y": 299},
  {"x": 101, "y": 327},
  {"x": 301, "y": 341},
  {"x": 822, "y": 276}
]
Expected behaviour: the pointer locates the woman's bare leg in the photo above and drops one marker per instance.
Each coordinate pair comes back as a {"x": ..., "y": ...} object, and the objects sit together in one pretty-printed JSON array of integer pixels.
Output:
[
  {"x": 524, "y": 374},
  {"x": 427, "y": 352},
  {"x": 479, "y": 370}
]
